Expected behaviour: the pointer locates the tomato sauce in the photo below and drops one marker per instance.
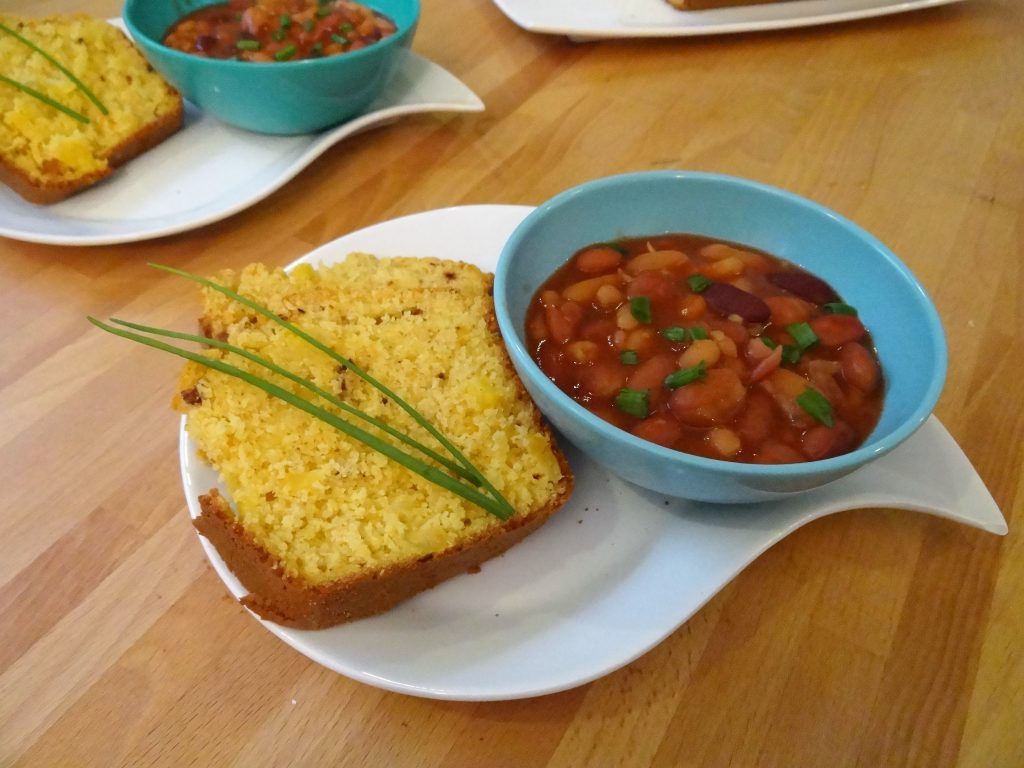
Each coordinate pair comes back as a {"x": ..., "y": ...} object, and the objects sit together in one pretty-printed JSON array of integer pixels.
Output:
[
  {"x": 710, "y": 348},
  {"x": 278, "y": 30}
]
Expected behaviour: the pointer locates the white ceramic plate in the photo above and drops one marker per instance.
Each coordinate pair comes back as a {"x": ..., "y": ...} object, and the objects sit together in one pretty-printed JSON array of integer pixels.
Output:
[
  {"x": 656, "y": 18},
  {"x": 210, "y": 170},
  {"x": 614, "y": 572}
]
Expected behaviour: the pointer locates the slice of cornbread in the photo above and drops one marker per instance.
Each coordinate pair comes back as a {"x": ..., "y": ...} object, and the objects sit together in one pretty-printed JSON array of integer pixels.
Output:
[
  {"x": 326, "y": 530},
  {"x": 46, "y": 155}
]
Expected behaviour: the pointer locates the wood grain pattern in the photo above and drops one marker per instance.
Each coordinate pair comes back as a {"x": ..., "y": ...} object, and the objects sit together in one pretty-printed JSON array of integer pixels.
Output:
[{"x": 872, "y": 638}]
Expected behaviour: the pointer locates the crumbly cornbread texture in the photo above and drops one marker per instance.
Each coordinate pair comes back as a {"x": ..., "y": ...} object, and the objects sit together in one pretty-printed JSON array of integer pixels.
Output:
[
  {"x": 327, "y": 509},
  {"x": 45, "y": 155}
]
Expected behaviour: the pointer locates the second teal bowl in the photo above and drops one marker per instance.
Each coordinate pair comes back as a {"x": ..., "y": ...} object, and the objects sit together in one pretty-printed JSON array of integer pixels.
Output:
[{"x": 288, "y": 97}]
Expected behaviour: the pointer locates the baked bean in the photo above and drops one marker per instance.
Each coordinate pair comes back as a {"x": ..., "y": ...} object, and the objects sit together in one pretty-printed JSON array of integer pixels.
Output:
[
  {"x": 837, "y": 330},
  {"x": 644, "y": 262},
  {"x": 786, "y": 310},
  {"x": 659, "y": 429},
  {"x": 859, "y": 367},
  {"x": 598, "y": 259},
  {"x": 742, "y": 382},
  {"x": 711, "y": 401},
  {"x": 821, "y": 442},
  {"x": 563, "y": 321},
  {"x": 585, "y": 291},
  {"x": 701, "y": 351}
]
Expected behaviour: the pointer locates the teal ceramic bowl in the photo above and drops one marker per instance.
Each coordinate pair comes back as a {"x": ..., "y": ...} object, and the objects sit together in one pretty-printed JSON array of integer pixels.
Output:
[
  {"x": 893, "y": 305},
  {"x": 288, "y": 97}
]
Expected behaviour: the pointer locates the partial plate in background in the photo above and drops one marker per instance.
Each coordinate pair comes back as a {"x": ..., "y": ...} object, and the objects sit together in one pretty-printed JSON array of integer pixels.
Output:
[
  {"x": 656, "y": 18},
  {"x": 209, "y": 170},
  {"x": 614, "y": 572}
]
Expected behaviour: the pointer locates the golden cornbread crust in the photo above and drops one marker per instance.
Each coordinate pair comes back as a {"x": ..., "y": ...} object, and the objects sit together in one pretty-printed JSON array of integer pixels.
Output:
[
  {"x": 46, "y": 155},
  {"x": 324, "y": 530}
]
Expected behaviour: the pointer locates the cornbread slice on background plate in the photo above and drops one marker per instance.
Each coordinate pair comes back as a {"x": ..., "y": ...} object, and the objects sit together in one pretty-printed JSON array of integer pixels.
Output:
[
  {"x": 47, "y": 155},
  {"x": 324, "y": 529}
]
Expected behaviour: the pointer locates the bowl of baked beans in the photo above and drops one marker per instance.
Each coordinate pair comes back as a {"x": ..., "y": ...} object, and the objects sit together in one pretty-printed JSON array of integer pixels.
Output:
[
  {"x": 276, "y": 66},
  {"x": 713, "y": 338}
]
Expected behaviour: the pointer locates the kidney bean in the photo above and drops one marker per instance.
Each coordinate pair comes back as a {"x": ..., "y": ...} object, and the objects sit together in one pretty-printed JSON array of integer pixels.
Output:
[
  {"x": 837, "y": 330},
  {"x": 804, "y": 285},
  {"x": 821, "y": 442},
  {"x": 659, "y": 429},
  {"x": 787, "y": 310},
  {"x": 709, "y": 401},
  {"x": 859, "y": 367},
  {"x": 598, "y": 259},
  {"x": 728, "y": 300}
]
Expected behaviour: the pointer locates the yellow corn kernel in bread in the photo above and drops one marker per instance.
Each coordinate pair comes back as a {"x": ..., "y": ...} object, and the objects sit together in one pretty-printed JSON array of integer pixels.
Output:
[
  {"x": 326, "y": 508},
  {"x": 45, "y": 155}
]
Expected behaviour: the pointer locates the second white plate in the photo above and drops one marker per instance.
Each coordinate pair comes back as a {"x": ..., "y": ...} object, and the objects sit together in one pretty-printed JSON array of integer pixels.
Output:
[
  {"x": 614, "y": 572},
  {"x": 656, "y": 18},
  {"x": 210, "y": 170}
]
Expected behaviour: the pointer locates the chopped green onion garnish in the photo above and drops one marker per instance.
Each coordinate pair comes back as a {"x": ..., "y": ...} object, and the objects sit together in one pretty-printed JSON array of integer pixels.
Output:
[
  {"x": 286, "y": 21},
  {"x": 78, "y": 83},
  {"x": 322, "y": 11},
  {"x": 697, "y": 333},
  {"x": 278, "y": 35},
  {"x": 640, "y": 308},
  {"x": 791, "y": 354},
  {"x": 768, "y": 341},
  {"x": 285, "y": 53},
  {"x": 632, "y": 401},
  {"x": 815, "y": 404},
  {"x": 317, "y": 49},
  {"x": 45, "y": 99},
  {"x": 248, "y": 45},
  {"x": 802, "y": 334},
  {"x": 309, "y": 25},
  {"x": 629, "y": 357},
  {"x": 685, "y": 376},
  {"x": 305, "y": 384},
  {"x": 698, "y": 283},
  {"x": 346, "y": 27},
  {"x": 675, "y": 333},
  {"x": 339, "y": 39},
  {"x": 838, "y": 308}
]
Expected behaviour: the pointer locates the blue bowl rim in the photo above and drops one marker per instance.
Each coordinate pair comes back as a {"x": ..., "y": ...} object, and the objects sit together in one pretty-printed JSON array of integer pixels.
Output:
[
  {"x": 293, "y": 66},
  {"x": 837, "y": 466}
]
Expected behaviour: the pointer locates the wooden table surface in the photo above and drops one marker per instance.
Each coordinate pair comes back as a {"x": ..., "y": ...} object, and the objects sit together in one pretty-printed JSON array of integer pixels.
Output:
[{"x": 872, "y": 638}]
